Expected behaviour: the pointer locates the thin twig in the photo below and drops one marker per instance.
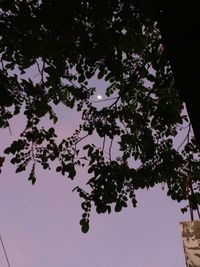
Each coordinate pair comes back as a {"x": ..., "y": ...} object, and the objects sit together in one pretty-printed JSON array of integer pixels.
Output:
[
  {"x": 185, "y": 127},
  {"x": 41, "y": 71},
  {"x": 104, "y": 140},
  {"x": 198, "y": 211},
  {"x": 110, "y": 150},
  {"x": 82, "y": 139},
  {"x": 75, "y": 143},
  {"x": 5, "y": 252},
  {"x": 186, "y": 137},
  {"x": 191, "y": 212},
  {"x": 32, "y": 153},
  {"x": 114, "y": 103},
  {"x": 9, "y": 129},
  {"x": 2, "y": 64}
]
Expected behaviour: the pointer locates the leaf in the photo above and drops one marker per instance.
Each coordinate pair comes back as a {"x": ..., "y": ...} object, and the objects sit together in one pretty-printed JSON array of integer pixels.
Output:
[
  {"x": 108, "y": 76},
  {"x": 79, "y": 68},
  {"x": 88, "y": 74},
  {"x": 108, "y": 209},
  {"x": 118, "y": 207},
  {"x": 13, "y": 160},
  {"x": 71, "y": 48},
  {"x": 2, "y": 159},
  {"x": 183, "y": 210},
  {"x": 134, "y": 202},
  {"x": 58, "y": 169},
  {"x": 85, "y": 226},
  {"x": 32, "y": 177},
  {"x": 7, "y": 150},
  {"x": 100, "y": 74},
  {"x": 90, "y": 150},
  {"x": 81, "y": 78},
  {"x": 20, "y": 168},
  {"x": 70, "y": 168},
  {"x": 86, "y": 147},
  {"x": 91, "y": 169},
  {"x": 33, "y": 180}
]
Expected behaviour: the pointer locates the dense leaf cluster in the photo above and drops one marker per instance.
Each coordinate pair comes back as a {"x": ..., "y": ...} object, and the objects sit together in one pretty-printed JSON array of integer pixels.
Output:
[{"x": 70, "y": 43}]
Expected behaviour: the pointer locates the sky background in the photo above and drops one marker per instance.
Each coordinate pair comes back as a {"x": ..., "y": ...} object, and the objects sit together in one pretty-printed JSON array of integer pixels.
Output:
[{"x": 40, "y": 227}]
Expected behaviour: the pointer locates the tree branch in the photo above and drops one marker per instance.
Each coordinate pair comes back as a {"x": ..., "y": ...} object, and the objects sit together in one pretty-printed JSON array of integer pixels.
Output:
[{"x": 186, "y": 138}]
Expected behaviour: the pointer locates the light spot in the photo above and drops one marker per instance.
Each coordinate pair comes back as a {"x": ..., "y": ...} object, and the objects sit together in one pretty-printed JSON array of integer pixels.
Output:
[{"x": 99, "y": 97}]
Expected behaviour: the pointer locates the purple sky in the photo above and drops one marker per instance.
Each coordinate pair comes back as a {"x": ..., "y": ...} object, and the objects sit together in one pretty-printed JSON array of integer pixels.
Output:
[{"x": 40, "y": 225}]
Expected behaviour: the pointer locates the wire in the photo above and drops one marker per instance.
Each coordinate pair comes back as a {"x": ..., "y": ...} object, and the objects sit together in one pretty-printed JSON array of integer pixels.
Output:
[{"x": 4, "y": 251}]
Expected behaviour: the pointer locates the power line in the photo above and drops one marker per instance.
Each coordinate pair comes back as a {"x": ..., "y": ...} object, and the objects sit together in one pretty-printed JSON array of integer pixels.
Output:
[{"x": 4, "y": 251}]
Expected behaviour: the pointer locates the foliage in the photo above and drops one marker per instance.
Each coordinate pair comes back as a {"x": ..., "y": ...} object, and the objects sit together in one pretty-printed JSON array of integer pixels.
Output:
[{"x": 114, "y": 41}]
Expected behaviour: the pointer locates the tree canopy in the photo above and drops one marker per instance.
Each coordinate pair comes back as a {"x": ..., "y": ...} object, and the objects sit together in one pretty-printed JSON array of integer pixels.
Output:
[{"x": 125, "y": 44}]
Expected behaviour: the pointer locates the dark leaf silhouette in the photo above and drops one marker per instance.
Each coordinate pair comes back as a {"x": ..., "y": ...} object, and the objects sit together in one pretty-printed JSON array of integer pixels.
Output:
[{"x": 148, "y": 70}]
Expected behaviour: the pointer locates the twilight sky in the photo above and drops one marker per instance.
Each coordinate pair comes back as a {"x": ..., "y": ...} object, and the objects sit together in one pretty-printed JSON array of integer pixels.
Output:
[{"x": 40, "y": 225}]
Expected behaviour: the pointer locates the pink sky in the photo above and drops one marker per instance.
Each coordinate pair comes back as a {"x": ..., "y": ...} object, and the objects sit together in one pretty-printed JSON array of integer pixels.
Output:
[{"x": 40, "y": 225}]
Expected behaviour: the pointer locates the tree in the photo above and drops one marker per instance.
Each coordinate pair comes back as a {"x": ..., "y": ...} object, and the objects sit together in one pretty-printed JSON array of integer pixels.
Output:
[{"x": 118, "y": 42}]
